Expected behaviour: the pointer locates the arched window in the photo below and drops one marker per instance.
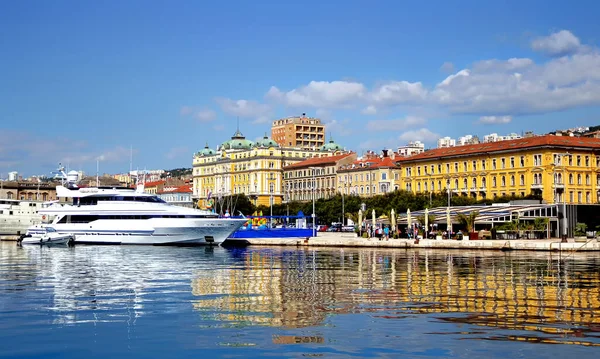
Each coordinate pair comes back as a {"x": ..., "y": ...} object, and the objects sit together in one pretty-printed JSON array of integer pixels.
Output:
[
  {"x": 483, "y": 184},
  {"x": 503, "y": 183},
  {"x": 494, "y": 181},
  {"x": 474, "y": 182},
  {"x": 522, "y": 180}
]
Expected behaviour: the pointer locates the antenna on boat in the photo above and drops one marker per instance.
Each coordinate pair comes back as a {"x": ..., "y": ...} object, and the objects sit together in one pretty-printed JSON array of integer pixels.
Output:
[
  {"x": 97, "y": 170},
  {"x": 130, "y": 161}
]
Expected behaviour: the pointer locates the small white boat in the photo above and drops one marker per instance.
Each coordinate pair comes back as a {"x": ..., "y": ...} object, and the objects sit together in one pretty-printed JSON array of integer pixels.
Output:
[{"x": 50, "y": 236}]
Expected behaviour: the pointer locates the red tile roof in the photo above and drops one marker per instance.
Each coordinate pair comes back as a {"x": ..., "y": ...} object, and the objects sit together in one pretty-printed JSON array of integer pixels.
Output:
[
  {"x": 318, "y": 161},
  {"x": 180, "y": 189},
  {"x": 371, "y": 163},
  {"x": 154, "y": 184},
  {"x": 509, "y": 145}
]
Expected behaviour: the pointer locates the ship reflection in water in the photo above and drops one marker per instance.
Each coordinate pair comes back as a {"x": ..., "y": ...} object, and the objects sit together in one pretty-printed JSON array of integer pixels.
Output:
[
  {"x": 540, "y": 298},
  {"x": 100, "y": 301}
]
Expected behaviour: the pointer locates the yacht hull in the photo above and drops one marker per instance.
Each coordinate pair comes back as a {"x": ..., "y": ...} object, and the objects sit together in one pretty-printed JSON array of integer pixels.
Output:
[{"x": 155, "y": 231}]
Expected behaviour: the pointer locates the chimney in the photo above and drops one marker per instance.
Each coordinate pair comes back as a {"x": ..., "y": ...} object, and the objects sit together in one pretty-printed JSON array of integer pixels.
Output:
[{"x": 385, "y": 153}]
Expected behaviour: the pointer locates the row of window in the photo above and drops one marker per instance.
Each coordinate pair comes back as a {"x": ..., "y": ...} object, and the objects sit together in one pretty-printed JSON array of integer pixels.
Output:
[
  {"x": 502, "y": 163},
  {"x": 537, "y": 180},
  {"x": 29, "y": 196},
  {"x": 88, "y": 219},
  {"x": 383, "y": 188}
]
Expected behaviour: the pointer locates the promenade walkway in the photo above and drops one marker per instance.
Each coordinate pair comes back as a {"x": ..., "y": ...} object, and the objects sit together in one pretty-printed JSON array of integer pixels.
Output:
[{"x": 351, "y": 240}]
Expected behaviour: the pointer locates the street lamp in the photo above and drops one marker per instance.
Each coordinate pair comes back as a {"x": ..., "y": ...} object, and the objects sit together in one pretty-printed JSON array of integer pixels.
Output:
[
  {"x": 343, "y": 190},
  {"x": 564, "y": 204},
  {"x": 313, "y": 169},
  {"x": 430, "y": 189}
]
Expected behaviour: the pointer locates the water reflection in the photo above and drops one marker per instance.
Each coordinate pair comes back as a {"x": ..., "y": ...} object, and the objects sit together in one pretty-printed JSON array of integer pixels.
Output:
[
  {"x": 303, "y": 293},
  {"x": 544, "y": 297}
]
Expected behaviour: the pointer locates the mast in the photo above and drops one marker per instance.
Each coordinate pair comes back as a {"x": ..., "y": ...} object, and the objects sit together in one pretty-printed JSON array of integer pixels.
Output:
[{"x": 130, "y": 162}]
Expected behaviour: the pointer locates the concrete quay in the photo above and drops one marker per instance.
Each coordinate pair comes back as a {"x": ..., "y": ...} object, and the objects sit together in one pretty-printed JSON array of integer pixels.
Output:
[{"x": 350, "y": 240}]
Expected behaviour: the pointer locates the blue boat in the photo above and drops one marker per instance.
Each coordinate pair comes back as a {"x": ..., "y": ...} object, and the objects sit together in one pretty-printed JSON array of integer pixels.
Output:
[{"x": 289, "y": 227}]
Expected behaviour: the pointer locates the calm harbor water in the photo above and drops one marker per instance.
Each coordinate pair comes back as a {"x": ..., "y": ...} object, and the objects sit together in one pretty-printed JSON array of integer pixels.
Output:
[{"x": 169, "y": 302}]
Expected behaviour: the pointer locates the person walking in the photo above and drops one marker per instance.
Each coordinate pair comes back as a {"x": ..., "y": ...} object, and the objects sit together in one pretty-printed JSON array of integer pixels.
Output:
[{"x": 386, "y": 233}]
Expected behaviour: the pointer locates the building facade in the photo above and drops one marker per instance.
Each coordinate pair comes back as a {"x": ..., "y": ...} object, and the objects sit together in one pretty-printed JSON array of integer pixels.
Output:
[
  {"x": 316, "y": 176},
  {"x": 177, "y": 195},
  {"x": 413, "y": 148},
  {"x": 370, "y": 175},
  {"x": 243, "y": 166},
  {"x": 302, "y": 132},
  {"x": 557, "y": 168},
  {"x": 30, "y": 191}
]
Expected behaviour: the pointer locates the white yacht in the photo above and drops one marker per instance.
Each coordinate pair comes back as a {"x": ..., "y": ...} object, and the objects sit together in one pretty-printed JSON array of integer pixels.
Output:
[{"x": 131, "y": 216}]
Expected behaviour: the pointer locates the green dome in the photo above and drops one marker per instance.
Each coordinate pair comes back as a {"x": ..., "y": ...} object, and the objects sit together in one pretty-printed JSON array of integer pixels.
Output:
[
  {"x": 206, "y": 151},
  {"x": 237, "y": 142},
  {"x": 266, "y": 142},
  {"x": 331, "y": 147}
]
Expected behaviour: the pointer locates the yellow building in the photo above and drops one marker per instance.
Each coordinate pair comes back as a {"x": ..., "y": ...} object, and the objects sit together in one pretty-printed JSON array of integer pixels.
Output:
[
  {"x": 242, "y": 166},
  {"x": 558, "y": 168},
  {"x": 369, "y": 176},
  {"x": 304, "y": 132},
  {"x": 318, "y": 172}
]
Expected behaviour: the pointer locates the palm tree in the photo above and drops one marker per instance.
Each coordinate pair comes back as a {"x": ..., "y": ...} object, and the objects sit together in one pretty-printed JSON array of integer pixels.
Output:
[
  {"x": 430, "y": 219},
  {"x": 468, "y": 220}
]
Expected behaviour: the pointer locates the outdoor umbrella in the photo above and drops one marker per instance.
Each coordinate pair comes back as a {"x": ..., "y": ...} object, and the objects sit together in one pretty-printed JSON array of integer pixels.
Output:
[
  {"x": 426, "y": 222},
  {"x": 408, "y": 219},
  {"x": 448, "y": 221},
  {"x": 360, "y": 219},
  {"x": 393, "y": 220},
  {"x": 374, "y": 219}
]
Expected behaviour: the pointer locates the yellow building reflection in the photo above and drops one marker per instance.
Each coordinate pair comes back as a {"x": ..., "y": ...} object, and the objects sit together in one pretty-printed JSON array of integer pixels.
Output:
[{"x": 547, "y": 295}]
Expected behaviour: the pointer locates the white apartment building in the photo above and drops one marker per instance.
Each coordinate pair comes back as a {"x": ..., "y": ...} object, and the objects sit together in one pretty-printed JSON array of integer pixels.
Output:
[
  {"x": 493, "y": 137},
  {"x": 446, "y": 142},
  {"x": 13, "y": 176},
  {"x": 411, "y": 149}
]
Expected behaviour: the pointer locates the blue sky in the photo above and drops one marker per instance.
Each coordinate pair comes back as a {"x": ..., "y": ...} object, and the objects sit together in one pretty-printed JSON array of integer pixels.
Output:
[{"x": 81, "y": 81}]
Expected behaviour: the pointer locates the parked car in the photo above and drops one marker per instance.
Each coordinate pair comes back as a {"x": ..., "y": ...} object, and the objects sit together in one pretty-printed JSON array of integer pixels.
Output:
[
  {"x": 322, "y": 228},
  {"x": 348, "y": 229}
]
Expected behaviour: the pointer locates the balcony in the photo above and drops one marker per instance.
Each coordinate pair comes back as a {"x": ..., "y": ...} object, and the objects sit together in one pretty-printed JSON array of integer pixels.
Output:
[
  {"x": 483, "y": 189},
  {"x": 558, "y": 185},
  {"x": 537, "y": 186}
]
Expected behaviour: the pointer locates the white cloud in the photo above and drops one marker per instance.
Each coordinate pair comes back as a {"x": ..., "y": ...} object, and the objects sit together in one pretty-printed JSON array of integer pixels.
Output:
[
  {"x": 200, "y": 114},
  {"x": 490, "y": 120},
  {"x": 398, "y": 92},
  {"x": 205, "y": 115},
  {"x": 245, "y": 108},
  {"x": 322, "y": 94},
  {"x": 520, "y": 86},
  {"x": 395, "y": 125},
  {"x": 176, "y": 152},
  {"x": 19, "y": 150},
  {"x": 369, "y": 110},
  {"x": 422, "y": 134},
  {"x": 557, "y": 44},
  {"x": 186, "y": 110},
  {"x": 218, "y": 127},
  {"x": 447, "y": 67},
  {"x": 512, "y": 87},
  {"x": 338, "y": 128},
  {"x": 378, "y": 143}
]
